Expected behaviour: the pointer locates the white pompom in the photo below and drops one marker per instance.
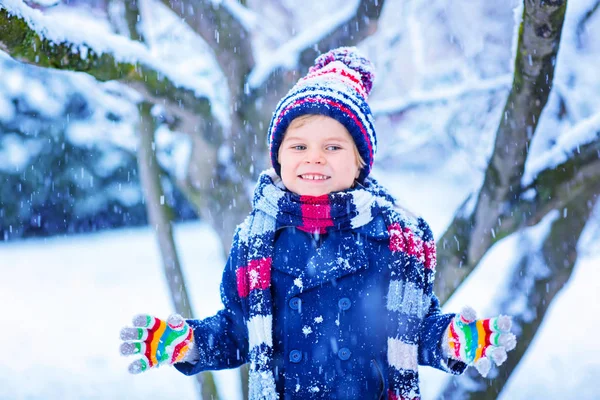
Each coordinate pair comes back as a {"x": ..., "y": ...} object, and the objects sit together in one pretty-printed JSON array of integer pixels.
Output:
[{"x": 483, "y": 366}]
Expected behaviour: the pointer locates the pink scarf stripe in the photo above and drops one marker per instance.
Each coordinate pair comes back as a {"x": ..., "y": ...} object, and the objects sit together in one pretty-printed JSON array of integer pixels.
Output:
[
  {"x": 316, "y": 213},
  {"x": 256, "y": 275}
]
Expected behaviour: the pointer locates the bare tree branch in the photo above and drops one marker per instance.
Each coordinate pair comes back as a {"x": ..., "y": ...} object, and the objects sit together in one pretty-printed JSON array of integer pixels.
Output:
[
  {"x": 19, "y": 40},
  {"x": 225, "y": 35},
  {"x": 352, "y": 32},
  {"x": 536, "y": 290},
  {"x": 556, "y": 187},
  {"x": 472, "y": 234},
  {"x": 160, "y": 214},
  {"x": 132, "y": 17},
  {"x": 161, "y": 218},
  {"x": 402, "y": 104}
]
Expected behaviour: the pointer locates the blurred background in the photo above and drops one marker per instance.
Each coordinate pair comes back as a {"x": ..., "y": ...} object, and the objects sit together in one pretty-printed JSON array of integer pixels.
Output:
[{"x": 132, "y": 132}]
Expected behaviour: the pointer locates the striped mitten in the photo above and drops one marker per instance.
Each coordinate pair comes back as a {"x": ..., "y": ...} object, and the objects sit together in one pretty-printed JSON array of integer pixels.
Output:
[
  {"x": 157, "y": 341},
  {"x": 476, "y": 341}
]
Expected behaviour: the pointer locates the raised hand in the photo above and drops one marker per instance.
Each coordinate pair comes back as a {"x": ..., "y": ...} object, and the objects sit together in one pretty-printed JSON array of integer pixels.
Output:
[
  {"x": 477, "y": 341},
  {"x": 157, "y": 341}
]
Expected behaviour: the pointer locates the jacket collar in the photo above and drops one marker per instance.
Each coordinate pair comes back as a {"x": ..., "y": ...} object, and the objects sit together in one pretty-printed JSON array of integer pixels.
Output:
[{"x": 340, "y": 253}]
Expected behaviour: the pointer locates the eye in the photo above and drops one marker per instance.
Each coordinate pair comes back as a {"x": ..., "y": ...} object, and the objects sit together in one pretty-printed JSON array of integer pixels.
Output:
[
  {"x": 333, "y": 147},
  {"x": 299, "y": 147}
]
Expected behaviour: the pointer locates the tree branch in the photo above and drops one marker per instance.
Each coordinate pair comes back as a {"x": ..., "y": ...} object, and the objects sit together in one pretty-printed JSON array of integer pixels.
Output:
[
  {"x": 356, "y": 29},
  {"x": 402, "y": 104},
  {"x": 535, "y": 289},
  {"x": 225, "y": 35},
  {"x": 25, "y": 44},
  {"x": 539, "y": 39},
  {"x": 556, "y": 187}
]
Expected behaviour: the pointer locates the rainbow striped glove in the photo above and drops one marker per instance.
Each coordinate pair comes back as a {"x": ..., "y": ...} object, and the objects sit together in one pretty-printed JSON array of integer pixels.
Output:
[
  {"x": 476, "y": 341},
  {"x": 159, "y": 342}
]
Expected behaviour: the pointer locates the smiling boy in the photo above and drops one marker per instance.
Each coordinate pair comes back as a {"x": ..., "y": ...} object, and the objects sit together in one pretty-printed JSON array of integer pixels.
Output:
[{"x": 328, "y": 288}]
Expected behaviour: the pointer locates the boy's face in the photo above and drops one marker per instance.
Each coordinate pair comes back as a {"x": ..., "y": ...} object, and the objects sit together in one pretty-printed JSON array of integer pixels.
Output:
[{"x": 317, "y": 157}]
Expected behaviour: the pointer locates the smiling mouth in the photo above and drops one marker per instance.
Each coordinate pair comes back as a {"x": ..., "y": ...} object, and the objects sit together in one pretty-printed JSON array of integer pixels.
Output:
[{"x": 313, "y": 177}]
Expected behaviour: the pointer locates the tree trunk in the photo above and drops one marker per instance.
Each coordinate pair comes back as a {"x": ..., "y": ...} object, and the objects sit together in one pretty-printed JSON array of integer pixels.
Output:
[
  {"x": 160, "y": 217},
  {"x": 537, "y": 289},
  {"x": 472, "y": 233}
]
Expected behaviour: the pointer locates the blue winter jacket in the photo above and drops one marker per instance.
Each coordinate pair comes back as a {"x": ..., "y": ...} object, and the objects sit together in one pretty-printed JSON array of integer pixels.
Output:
[{"x": 330, "y": 329}]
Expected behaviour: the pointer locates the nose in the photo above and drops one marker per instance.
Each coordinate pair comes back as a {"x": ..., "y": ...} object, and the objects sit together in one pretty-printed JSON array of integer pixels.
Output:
[{"x": 314, "y": 156}]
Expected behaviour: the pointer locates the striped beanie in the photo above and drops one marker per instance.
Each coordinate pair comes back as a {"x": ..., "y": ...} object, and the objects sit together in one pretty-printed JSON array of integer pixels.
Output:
[{"x": 337, "y": 86}]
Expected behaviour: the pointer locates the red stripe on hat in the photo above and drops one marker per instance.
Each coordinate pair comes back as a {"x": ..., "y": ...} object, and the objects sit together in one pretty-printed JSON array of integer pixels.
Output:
[
  {"x": 358, "y": 84},
  {"x": 259, "y": 273},
  {"x": 242, "y": 281},
  {"x": 339, "y": 106}
]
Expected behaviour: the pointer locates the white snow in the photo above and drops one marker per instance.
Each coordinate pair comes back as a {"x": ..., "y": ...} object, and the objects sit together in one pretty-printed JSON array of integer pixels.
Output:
[
  {"x": 298, "y": 283},
  {"x": 16, "y": 153},
  {"x": 67, "y": 300},
  {"x": 89, "y": 34},
  {"x": 70, "y": 297},
  {"x": 287, "y": 55},
  {"x": 306, "y": 330},
  {"x": 439, "y": 94},
  {"x": 568, "y": 143}
]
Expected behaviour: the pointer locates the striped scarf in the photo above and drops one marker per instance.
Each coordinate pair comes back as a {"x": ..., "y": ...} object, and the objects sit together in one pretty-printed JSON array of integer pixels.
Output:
[{"x": 410, "y": 286}]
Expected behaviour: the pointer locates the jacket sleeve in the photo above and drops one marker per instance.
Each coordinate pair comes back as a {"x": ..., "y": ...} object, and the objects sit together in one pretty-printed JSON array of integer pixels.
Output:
[
  {"x": 434, "y": 323},
  {"x": 221, "y": 340}
]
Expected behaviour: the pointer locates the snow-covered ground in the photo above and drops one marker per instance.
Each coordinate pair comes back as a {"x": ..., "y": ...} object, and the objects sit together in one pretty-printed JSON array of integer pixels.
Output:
[{"x": 64, "y": 300}]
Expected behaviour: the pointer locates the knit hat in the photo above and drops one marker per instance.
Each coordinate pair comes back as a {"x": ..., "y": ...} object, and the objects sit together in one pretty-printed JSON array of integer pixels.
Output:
[{"x": 337, "y": 86}]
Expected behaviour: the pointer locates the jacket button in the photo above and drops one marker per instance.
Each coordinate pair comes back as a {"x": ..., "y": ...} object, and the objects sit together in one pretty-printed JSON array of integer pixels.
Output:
[
  {"x": 295, "y": 356},
  {"x": 344, "y": 303},
  {"x": 344, "y": 353},
  {"x": 295, "y": 303}
]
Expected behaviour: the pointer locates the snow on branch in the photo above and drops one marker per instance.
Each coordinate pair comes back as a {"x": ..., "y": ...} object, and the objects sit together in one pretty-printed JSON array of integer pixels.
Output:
[
  {"x": 243, "y": 15},
  {"x": 30, "y": 36},
  {"x": 287, "y": 55},
  {"x": 223, "y": 27},
  {"x": 396, "y": 105},
  {"x": 568, "y": 144}
]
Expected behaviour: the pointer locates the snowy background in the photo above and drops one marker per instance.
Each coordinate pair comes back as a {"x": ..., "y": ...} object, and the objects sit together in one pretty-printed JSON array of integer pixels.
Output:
[
  {"x": 443, "y": 73},
  {"x": 64, "y": 301}
]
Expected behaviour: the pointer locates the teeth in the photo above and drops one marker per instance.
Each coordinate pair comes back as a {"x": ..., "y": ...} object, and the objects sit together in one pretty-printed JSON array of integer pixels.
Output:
[{"x": 314, "y": 177}]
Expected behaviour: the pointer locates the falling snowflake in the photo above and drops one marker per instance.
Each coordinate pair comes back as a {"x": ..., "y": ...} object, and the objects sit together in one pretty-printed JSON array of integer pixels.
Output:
[{"x": 319, "y": 319}]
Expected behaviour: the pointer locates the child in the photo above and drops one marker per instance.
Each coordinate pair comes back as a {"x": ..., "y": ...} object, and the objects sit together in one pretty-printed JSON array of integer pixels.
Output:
[{"x": 328, "y": 286}]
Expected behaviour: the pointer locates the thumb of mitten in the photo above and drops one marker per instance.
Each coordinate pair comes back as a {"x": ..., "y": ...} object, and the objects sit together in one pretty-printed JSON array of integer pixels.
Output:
[
  {"x": 176, "y": 322},
  {"x": 467, "y": 315}
]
